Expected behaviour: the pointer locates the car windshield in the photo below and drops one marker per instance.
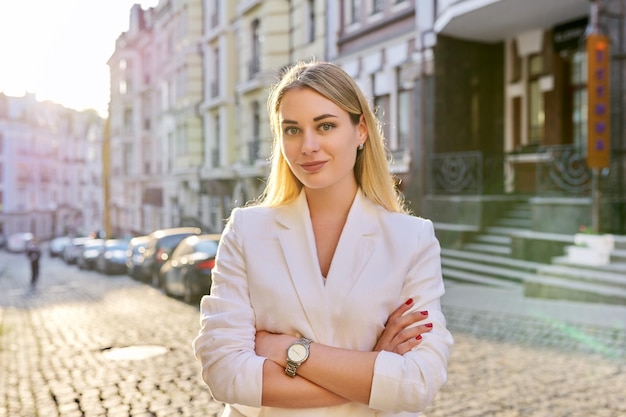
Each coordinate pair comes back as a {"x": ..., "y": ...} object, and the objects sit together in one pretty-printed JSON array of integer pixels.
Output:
[
  {"x": 117, "y": 246},
  {"x": 207, "y": 246},
  {"x": 170, "y": 242}
]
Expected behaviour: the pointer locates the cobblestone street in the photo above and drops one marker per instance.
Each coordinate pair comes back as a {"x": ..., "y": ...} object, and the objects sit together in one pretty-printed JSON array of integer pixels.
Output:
[{"x": 58, "y": 353}]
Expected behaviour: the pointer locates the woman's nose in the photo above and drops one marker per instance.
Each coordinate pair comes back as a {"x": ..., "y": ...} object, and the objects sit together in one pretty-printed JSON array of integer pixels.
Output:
[{"x": 310, "y": 143}]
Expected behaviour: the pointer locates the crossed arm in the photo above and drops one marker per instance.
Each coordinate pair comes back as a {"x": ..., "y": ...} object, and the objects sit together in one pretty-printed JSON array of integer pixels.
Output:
[{"x": 333, "y": 376}]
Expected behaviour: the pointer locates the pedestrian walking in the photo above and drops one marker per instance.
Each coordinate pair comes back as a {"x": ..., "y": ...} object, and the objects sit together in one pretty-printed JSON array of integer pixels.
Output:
[
  {"x": 303, "y": 316},
  {"x": 33, "y": 252}
]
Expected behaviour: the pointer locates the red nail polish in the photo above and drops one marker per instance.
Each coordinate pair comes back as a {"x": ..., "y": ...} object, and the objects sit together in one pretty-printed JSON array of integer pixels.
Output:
[
  {"x": 424, "y": 313},
  {"x": 429, "y": 325},
  {"x": 418, "y": 337},
  {"x": 409, "y": 301}
]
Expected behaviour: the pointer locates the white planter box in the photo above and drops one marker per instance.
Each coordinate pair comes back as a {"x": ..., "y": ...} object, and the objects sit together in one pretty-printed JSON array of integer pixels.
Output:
[
  {"x": 587, "y": 255},
  {"x": 600, "y": 242}
]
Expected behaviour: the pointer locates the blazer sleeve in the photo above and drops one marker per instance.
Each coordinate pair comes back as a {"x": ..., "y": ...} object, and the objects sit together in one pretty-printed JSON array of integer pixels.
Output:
[
  {"x": 225, "y": 344},
  {"x": 410, "y": 382}
]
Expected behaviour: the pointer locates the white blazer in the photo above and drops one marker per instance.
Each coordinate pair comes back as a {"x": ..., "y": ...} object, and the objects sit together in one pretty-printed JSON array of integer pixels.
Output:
[{"x": 267, "y": 277}]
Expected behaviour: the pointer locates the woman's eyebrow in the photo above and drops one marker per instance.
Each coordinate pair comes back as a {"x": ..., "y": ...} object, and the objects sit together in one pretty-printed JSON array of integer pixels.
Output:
[
  {"x": 315, "y": 119},
  {"x": 323, "y": 116}
]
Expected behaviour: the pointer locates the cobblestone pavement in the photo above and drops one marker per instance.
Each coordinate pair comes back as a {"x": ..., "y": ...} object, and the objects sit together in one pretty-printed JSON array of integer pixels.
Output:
[{"x": 58, "y": 357}]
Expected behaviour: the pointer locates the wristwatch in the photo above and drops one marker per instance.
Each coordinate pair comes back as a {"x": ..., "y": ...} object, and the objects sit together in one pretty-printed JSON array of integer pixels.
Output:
[{"x": 297, "y": 353}]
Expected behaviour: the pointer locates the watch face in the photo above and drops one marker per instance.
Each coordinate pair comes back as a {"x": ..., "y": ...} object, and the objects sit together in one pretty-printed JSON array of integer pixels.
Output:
[{"x": 297, "y": 352}]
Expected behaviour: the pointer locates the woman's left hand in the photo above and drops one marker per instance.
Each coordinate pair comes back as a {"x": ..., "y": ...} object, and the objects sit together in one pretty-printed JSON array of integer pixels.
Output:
[{"x": 400, "y": 334}]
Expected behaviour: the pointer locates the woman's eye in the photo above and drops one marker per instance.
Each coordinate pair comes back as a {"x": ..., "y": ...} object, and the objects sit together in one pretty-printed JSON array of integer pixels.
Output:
[
  {"x": 326, "y": 127},
  {"x": 290, "y": 131}
]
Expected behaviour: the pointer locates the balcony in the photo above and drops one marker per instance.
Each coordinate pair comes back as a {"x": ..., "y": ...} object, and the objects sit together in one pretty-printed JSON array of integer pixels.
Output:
[{"x": 495, "y": 21}]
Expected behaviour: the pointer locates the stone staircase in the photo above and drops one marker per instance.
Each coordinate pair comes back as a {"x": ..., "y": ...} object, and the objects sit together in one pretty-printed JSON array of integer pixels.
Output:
[{"x": 486, "y": 260}]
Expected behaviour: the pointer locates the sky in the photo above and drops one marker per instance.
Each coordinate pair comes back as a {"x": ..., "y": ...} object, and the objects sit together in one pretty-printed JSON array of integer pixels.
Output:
[{"x": 58, "y": 49}]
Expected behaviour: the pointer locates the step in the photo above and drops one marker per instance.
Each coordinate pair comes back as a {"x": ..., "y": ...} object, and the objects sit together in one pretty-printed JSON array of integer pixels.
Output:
[
  {"x": 585, "y": 274},
  {"x": 484, "y": 248},
  {"x": 616, "y": 267},
  {"x": 513, "y": 222},
  {"x": 564, "y": 289},
  {"x": 464, "y": 276},
  {"x": 519, "y": 212},
  {"x": 528, "y": 266},
  {"x": 618, "y": 255},
  {"x": 486, "y": 270},
  {"x": 506, "y": 231},
  {"x": 493, "y": 239}
]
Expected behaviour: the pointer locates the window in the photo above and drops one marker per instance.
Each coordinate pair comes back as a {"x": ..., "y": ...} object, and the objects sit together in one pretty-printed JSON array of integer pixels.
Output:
[
  {"x": 255, "y": 141},
  {"x": 381, "y": 106},
  {"x": 215, "y": 89},
  {"x": 181, "y": 139},
  {"x": 310, "y": 21},
  {"x": 355, "y": 10},
  {"x": 254, "y": 65},
  {"x": 404, "y": 118},
  {"x": 128, "y": 121},
  {"x": 377, "y": 6},
  {"x": 127, "y": 158},
  {"x": 536, "y": 109},
  {"x": 215, "y": 162},
  {"x": 515, "y": 69}
]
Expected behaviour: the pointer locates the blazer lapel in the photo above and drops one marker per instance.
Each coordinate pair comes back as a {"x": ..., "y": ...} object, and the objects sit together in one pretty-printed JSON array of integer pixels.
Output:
[
  {"x": 351, "y": 255},
  {"x": 298, "y": 245},
  {"x": 353, "y": 251}
]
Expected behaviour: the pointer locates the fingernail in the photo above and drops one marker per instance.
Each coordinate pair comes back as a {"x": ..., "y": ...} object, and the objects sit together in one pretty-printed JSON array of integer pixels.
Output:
[
  {"x": 424, "y": 313},
  {"x": 409, "y": 301},
  {"x": 418, "y": 337},
  {"x": 428, "y": 325}
]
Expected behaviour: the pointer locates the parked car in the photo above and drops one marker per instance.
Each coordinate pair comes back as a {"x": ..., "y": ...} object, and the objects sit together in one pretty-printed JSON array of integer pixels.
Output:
[
  {"x": 17, "y": 242},
  {"x": 89, "y": 253},
  {"x": 112, "y": 258},
  {"x": 57, "y": 245},
  {"x": 161, "y": 243},
  {"x": 187, "y": 273},
  {"x": 73, "y": 249},
  {"x": 135, "y": 256}
]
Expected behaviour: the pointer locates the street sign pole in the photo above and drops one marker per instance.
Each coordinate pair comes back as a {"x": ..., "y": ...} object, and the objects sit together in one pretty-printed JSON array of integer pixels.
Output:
[{"x": 598, "y": 109}]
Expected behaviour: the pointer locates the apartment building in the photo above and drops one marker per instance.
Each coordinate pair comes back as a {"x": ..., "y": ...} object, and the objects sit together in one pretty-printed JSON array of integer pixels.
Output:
[
  {"x": 50, "y": 168},
  {"x": 509, "y": 113},
  {"x": 156, "y": 143},
  {"x": 243, "y": 46},
  {"x": 483, "y": 104}
]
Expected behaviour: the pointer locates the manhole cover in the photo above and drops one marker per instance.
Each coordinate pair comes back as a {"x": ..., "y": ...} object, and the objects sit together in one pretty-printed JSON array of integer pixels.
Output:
[{"x": 133, "y": 353}]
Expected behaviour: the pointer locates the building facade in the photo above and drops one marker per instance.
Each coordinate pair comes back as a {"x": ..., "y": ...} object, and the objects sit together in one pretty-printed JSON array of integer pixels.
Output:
[
  {"x": 50, "y": 169},
  {"x": 508, "y": 113},
  {"x": 483, "y": 102}
]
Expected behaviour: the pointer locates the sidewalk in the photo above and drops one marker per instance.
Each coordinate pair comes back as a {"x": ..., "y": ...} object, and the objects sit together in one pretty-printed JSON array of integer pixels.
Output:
[
  {"x": 505, "y": 314},
  {"x": 513, "y": 356},
  {"x": 513, "y": 301}
]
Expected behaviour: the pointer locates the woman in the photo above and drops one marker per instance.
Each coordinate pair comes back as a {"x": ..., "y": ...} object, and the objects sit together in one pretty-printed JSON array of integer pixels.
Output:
[{"x": 303, "y": 316}]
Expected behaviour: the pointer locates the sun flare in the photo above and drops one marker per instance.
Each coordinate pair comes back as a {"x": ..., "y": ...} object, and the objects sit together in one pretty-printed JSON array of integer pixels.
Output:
[{"x": 58, "y": 49}]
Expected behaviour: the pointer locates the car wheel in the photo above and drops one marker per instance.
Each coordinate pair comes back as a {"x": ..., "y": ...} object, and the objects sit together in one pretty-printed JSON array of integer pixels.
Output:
[
  {"x": 155, "y": 279},
  {"x": 188, "y": 296}
]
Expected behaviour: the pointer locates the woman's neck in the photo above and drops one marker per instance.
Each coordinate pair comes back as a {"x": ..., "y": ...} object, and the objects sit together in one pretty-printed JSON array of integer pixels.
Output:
[{"x": 329, "y": 204}]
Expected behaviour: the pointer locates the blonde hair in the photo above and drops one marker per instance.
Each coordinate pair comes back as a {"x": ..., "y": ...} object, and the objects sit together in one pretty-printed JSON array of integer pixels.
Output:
[{"x": 371, "y": 168}]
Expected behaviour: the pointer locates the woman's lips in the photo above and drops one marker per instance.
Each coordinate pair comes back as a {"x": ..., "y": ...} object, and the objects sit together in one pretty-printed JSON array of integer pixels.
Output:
[{"x": 313, "y": 166}]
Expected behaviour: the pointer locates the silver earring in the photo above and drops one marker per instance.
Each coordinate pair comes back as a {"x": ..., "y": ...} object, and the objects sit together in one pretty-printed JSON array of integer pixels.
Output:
[{"x": 360, "y": 148}]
